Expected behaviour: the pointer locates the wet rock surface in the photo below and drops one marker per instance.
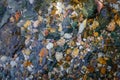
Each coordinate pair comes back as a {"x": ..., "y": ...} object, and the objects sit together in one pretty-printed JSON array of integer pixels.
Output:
[
  {"x": 59, "y": 40},
  {"x": 11, "y": 40}
]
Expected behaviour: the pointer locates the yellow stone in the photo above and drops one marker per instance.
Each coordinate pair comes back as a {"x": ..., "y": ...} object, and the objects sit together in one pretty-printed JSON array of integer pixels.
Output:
[
  {"x": 72, "y": 43},
  {"x": 60, "y": 28},
  {"x": 96, "y": 34},
  {"x": 111, "y": 26},
  {"x": 118, "y": 22},
  {"x": 68, "y": 51},
  {"x": 53, "y": 12},
  {"x": 101, "y": 60},
  {"x": 26, "y": 51},
  {"x": 103, "y": 70},
  {"x": 52, "y": 30},
  {"x": 94, "y": 25},
  {"x": 27, "y": 23},
  {"x": 75, "y": 51}
]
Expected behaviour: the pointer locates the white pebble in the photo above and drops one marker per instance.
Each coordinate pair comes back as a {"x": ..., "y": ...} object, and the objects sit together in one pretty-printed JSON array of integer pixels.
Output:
[
  {"x": 67, "y": 36},
  {"x": 3, "y": 58},
  {"x": 13, "y": 63},
  {"x": 31, "y": 1},
  {"x": 58, "y": 56},
  {"x": 49, "y": 46}
]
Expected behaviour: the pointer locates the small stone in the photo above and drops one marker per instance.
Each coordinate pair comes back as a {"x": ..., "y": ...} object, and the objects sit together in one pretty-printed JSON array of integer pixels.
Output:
[
  {"x": 52, "y": 30},
  {"x": 96, "y": 34},
  {"x": 99, "y": 65},
  {"x": 100, "y": 55},
  {"x": 72, "y": 43},
  {"x": 27, "y": 39},
  {"x": 17, "y": 16},
  {"x": 26, "y": 51},
  {"x": 12, "y": 19},
  {"x": 103, "y": 70},
  {"x": 43, "y": 52},
  {"x": 74, "y": 14},
  {"x": 30, "y": 68},
  {"x": 68, "y": 58},
  {"x": 31, "y": 1},
  {"x": 75, "y": 52},
  {"x": 46, "y": 32},
  {"x": 80, "y": 47},
  {"x": 60, "y": 27},
  {"x": 90, "y": 68},
  {"x": 3, "y": 58},
  {"x": 82, "y": 26},
  {"x": 101, "y": 60},
  {"x": 68, "y": 51},
  {"x": 61, "y": 42},
  {"x": 58, "y": 56},
  {"x": 13, "y": 63},
  {"x": 94, "y": 25},
  {"x": 67, "y": 36},
  {"x": 40, "y": 18},
  {"x": 27, "y": 24},
  {"x": 36, "y": 23},
  {"x": 111, "y": 26},
  {"x": 35, "y": 30},
  {"x": 27, "y": 63},
  {"x": 49, "y": 46}
]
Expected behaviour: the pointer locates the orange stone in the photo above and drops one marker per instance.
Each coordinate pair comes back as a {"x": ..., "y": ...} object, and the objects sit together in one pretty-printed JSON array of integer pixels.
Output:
[
  {"x": 111, "y": 26},
  {"x": 101, "y": 60},
  {"x": 27, "y": 63},
  {"x": 43, "y": 52},
  {"x": 103, "y": 70},
  {"x": 17, "y": 15},
  {"x": 90, "y": 68}
]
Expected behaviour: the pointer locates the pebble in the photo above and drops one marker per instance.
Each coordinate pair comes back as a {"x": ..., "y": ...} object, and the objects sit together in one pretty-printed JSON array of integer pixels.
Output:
[
  {"x": 36, "y": 23},
  {"x": 75, "y": 52},
  {"x": 3, "y": 58},
  {"x": 67, "y": 36},
  {"x": 13, "y": 63},
  {"x": 31, "y": 1},
  {"x": 49, "y": 46},
  {"x": 58, "y": 56}
]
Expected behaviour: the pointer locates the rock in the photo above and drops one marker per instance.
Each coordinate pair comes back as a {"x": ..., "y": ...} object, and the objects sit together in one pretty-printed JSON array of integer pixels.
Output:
[
  {"x": 67, "y": 36},
  {"x": 11, "y": 39},
  {"x": 36, "y": 23},
  {"x": 82, "y": 26},
  {"x": 26, "y": 51},
  {"x": 61, "y": 42},
  {"x": 111, "y": 26},
  {"x": 43, "y": 52},
  {"x": 49, "y": 46},
  {"x": 75, "y": 52},
  {"x": 58, "y": 56},
  {"x": 13, "y": 63},
  {"x": 31, "y": 1},
  {"x": 3, "y": 58},
  {"x": 27, "y": 24},
  {"x": 103, "y": 70}
]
